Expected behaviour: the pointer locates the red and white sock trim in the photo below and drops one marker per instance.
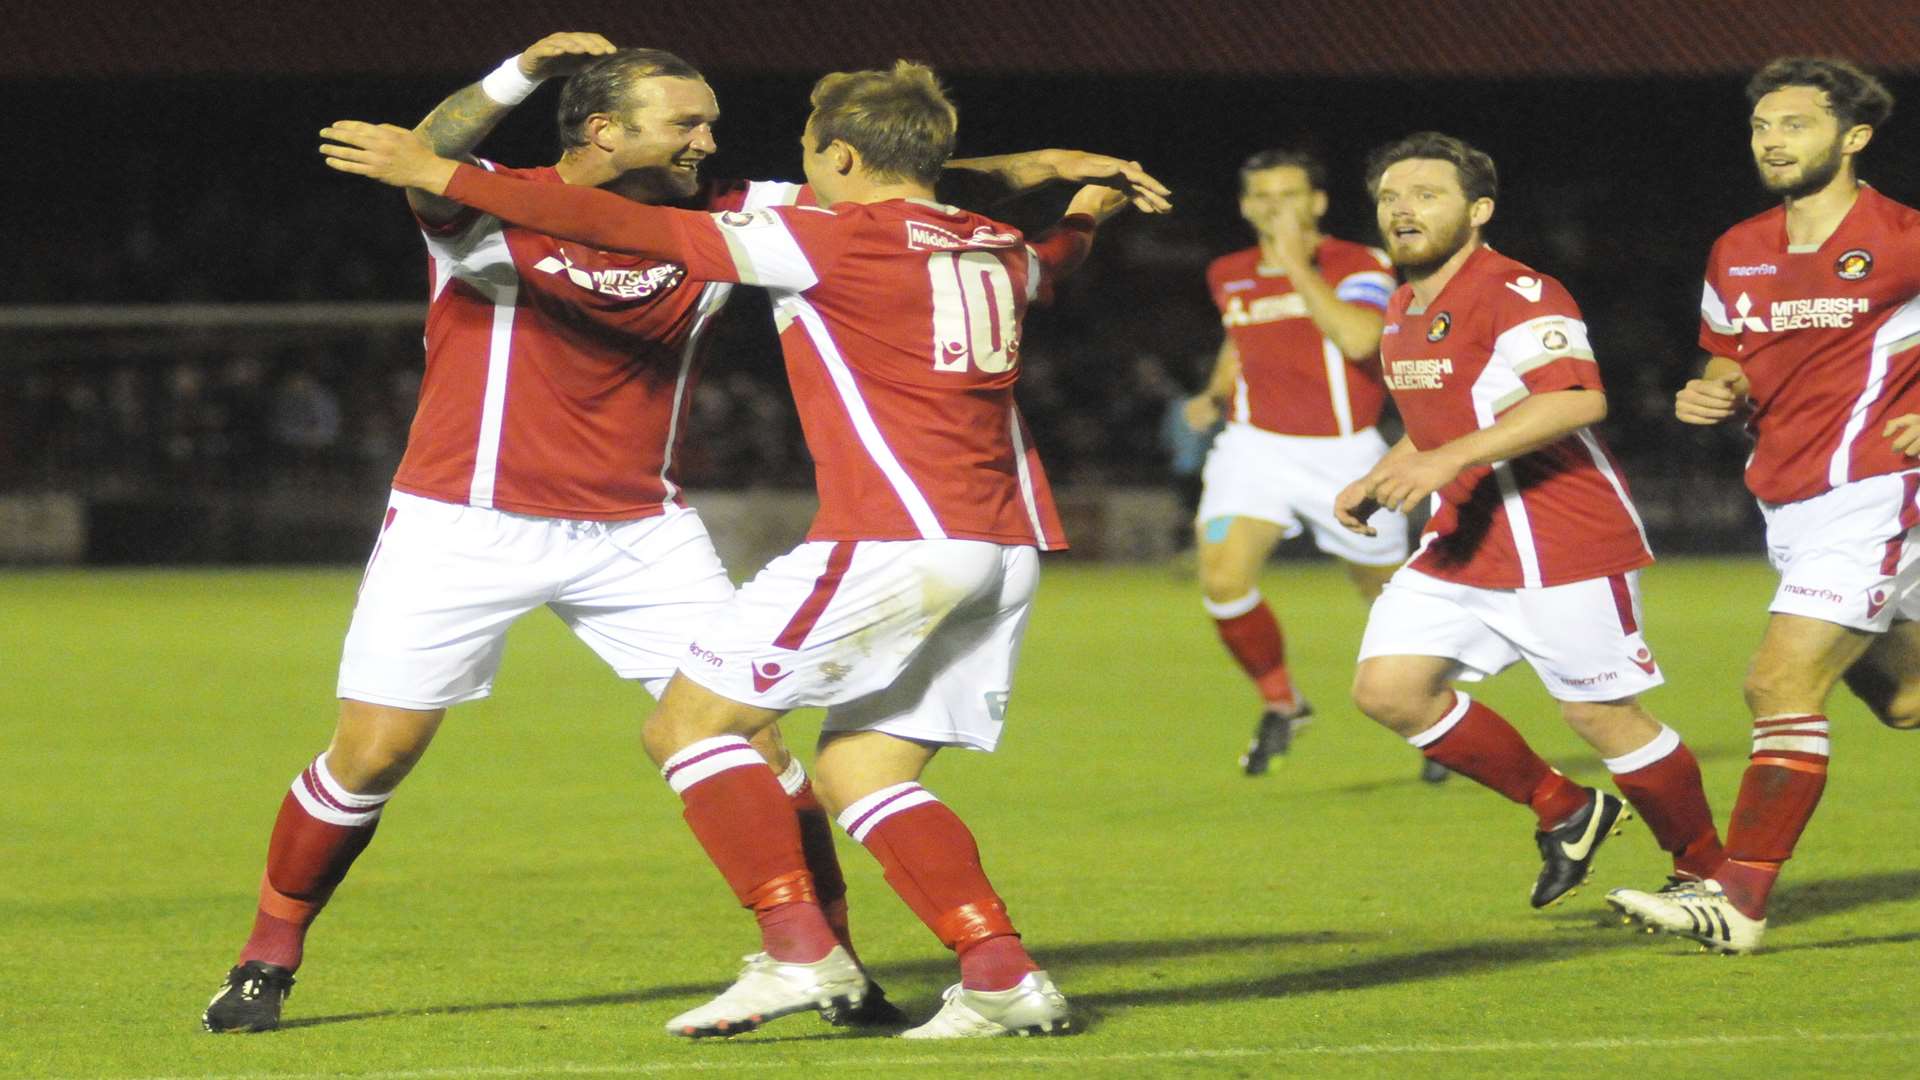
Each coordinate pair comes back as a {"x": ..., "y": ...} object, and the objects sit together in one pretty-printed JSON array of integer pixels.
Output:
[
  {"x": 1447, "y": 723},
  {"x": 1799, "y": 733},
  {"x": 1232, "y": 609},
  {"x": 793, "y": 777},
  {"x": 707, "y": 758},
  {"x": 859, "y": 819},
  {"x": 1666, "y": 742},
  {"x": 322, "y": 797}
]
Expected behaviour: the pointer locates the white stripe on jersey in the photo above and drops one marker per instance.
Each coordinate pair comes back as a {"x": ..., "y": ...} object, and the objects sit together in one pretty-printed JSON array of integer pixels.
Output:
[
  {"x": 493, "y": 407},
  {"x": 1033, "y": 274},
  {"x": 1026, "y": 476},
  {"x": 1242, "y": 410},
  {"x": 760, "y": 194},
  {"x": 1613, "y": 479},
  {"x": 764, "y": 252},
  {"x": 1524, "y": 347},
  {"x": 764, "y": 193},
  {"x": 1496, "y": 388},
  {"x": 1336, "y": 362},
  {"x": 478, "y": 255},
  {"x": 1714, "y": 311},
  {"x": 871, "y": 437},
  {"x": 712, "y": 299},
  {"x": 1903, "y": 323}
]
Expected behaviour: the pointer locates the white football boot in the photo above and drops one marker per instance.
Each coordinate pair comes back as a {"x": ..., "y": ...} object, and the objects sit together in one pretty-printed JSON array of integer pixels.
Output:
[
  {"x": 1032, "y": 1007},
  {"x": 768, "y": 989},
  {"x": 1695, "y": 909}
]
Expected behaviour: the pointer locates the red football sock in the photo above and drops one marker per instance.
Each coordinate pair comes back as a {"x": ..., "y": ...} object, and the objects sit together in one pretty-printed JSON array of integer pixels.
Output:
[
  {"x": 823, "y": 862},
  {"x": 1662, "y": 781},
  {"x": 931, "y": 860},
  {"x": 1252, "y": 635},
  {"x": 1778, "y": 793},
  {"x": 739, "y": 813},
  {"x": 1477, "y": 743},
  {"x": 321, "y": 829}
]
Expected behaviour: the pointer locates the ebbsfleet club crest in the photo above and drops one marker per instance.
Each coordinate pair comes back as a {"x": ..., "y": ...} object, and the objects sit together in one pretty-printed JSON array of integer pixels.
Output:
[
  {"x": 1438, "y": 328},
  {"x": 1854, "y": 265}
]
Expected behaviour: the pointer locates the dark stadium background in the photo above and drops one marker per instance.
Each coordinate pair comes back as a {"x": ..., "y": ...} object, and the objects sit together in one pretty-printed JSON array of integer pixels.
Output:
[{"x": 168, "y": 158}]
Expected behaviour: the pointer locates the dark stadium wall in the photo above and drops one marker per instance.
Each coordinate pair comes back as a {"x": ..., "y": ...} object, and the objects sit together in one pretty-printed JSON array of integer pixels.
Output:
[{"x": 1507, "y": 38}]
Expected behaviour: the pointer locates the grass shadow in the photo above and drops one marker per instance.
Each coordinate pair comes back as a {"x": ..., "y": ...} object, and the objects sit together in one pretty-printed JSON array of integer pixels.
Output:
[{"x": 933, "y": 969}]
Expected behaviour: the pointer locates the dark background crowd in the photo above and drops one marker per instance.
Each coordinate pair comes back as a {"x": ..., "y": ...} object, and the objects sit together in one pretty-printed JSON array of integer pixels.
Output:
[{"x": 205, "y": 189}]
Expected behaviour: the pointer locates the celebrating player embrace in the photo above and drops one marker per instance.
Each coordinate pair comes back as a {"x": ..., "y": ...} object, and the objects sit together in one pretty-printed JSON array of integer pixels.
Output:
[{"x": 903, "y": 611}]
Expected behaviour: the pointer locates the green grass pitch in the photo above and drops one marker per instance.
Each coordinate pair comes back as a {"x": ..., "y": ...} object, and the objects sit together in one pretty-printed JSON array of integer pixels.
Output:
[{"x": 535, "y": 907}]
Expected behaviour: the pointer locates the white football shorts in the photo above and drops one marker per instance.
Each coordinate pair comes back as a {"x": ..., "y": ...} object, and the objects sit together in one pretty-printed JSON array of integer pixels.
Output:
[
  {"x": 916, "y": 638},
  {"x": 1583, "y": 639},
  {"x": 1851, "y": 555},
  {"x": 1292, "y": 480},
  {"x": 445, "y": 581}
]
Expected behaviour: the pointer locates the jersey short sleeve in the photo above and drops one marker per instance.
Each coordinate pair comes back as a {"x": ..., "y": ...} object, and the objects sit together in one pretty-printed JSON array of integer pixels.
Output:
[
  {"x": 1540, "y": 337},
  {"x": 1719, "y": 329},
  {"x": 760, "y": 247}
]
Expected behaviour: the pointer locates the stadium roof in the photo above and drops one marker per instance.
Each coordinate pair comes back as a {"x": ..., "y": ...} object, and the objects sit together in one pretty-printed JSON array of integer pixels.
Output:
[{"x": 1494, "y": 38}]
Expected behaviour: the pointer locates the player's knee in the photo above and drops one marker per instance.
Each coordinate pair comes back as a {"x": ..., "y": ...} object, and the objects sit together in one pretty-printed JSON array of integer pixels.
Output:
[
  {"x": 375, "y": 767},
  {"x": 1773, "y": 690},
  {"x": 1392, "y": 701},
  {"x": 1222, "y": 584}
]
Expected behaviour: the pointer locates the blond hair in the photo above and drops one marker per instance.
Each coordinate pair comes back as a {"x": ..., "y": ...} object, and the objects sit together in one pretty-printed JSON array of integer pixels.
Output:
[{"x": 900, "y": 120}]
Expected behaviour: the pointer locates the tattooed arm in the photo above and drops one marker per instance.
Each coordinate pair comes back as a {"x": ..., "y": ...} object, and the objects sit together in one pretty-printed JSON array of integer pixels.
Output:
[{"x": 457, "y": 125}]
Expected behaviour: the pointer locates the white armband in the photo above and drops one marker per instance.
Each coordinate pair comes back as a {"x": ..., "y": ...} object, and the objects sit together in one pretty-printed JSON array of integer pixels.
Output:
[{"x": 506, "y": 85}]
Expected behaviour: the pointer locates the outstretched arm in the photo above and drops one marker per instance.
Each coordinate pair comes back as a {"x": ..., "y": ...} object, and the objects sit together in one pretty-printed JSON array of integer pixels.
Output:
[
  {"x": 457, "y": 125},
  {"x": 1010, "y": 174},
  {"x": 394, "y": 155},
  {"x": 1064, "y": 247}
]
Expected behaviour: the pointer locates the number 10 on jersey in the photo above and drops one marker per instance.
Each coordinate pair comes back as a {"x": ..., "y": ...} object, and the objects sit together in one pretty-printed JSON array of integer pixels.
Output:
[{"x": 973, "y": 314}]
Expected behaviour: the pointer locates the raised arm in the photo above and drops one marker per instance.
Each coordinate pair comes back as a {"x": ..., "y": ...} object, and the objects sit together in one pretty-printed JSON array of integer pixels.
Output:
[
  {"x": 1064, "y": 247},
  {"x": 1003, "y": 175},
  {"x": 402, "y": 158},
  {"x": 1353, "y": 328},
  {"x": 457, "y": 125}
]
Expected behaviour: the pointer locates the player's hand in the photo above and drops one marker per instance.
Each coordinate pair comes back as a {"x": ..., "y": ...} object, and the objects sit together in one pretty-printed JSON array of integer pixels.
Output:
[
  {"x": 1201, "y": 412},
  {"x": 1354, "y": 505},
  {"x": 1709, "y": 401},
  {"x": 1404, "y": 482},
  {"x": 1149, "y": 196},
  {"x": 1287, "y": 239},
  {"x": 1098, "y": 200},
  {"x": 563, "y": 54},
  {"x": 1904, "y": 430},
  {"x": 389, "y": 154}
]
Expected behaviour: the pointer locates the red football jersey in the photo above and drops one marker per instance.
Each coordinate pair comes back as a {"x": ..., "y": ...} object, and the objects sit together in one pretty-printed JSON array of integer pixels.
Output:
[
  {"x": 1829, "y": 338},
  {"x": 1497, "y": 333},
  {"x": 1292, "y": 379},
  {"x": 558, "y": 377},
  {"x": 900, "y": 322}
]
